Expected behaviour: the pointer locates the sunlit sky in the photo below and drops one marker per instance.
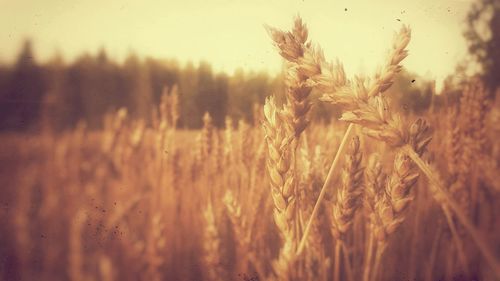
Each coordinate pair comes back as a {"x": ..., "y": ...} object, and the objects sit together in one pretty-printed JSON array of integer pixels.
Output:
[{"x": 230, "y": 34}]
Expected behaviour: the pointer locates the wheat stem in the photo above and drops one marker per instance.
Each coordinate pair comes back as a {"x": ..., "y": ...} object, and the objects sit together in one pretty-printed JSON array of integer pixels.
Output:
[
  {"x": 432, "y": 258},
  {"x": 456, "y": 238},
  {"x": 443, "y": 194},
  {"x": 323, "y": 189},
  {"x": 347, "y": 262},
  {"x": 336, "y": 269},
  {"x": 368, "y": 260},
  {"x": 378, "y": 257}
]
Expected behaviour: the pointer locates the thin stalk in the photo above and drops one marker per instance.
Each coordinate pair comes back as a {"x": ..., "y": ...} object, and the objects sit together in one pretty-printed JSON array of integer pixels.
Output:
[
  {"x": 456, "y": 238},
  {"x": 323, "y": 189},
  {"x": 443, "y": 194},
  {"x": 368, "y": 259},
  {"x": 414, "y": 243},
  {"x": 432, "y": 258},
  {"x": 378, "y": 257},
  {"x": 347, "y": 262},
  {"x": 449, "y": 266},
  {"x": 336, "y": 269}
]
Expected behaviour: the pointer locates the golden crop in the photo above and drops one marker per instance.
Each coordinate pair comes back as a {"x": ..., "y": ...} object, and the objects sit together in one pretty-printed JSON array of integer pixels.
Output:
[{"x": 378, "y": 195}]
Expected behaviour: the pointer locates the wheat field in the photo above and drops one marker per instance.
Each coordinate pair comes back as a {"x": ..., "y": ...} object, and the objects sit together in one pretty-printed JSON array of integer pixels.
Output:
[{"x": 379, "y": 194}]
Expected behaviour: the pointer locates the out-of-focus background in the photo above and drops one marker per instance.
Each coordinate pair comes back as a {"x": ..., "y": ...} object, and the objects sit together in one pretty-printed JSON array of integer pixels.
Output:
[
  {"x": 132, "y": 144},
  {"x": 77, "y": 60}
]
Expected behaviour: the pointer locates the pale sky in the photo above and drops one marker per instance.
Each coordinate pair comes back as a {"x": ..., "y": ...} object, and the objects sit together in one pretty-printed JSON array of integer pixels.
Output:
[{"x": 230, "y": 34}]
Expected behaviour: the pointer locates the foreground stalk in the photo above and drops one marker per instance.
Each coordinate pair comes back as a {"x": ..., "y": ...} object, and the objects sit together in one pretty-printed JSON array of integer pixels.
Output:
[
  {"x": 327, "y": 183},
  {"x": 443, "y": 195}
]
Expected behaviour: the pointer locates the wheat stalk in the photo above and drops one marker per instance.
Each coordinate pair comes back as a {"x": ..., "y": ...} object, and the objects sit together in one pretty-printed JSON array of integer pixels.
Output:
[
  {"x": 442, "y": 196},
  {"x": 348, "y": 201},
  {"x": 212, "y": 246},
  {"x": 279, "y": 136},
  {"x": 294, "y": 47},
  {"x": 390, "y": 208},
  {"x": 322, "y": 193},
  {"x": 207, "y": 132},
  {"x": 374, "y": 187},
  {"x": 368, "y": 103},
  {"x": 381, "y": 124},
  {"x": 348, "y": 196}
]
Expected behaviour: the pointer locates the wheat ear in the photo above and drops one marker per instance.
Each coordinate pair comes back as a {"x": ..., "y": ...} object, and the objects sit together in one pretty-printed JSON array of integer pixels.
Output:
[
  {"x": 331, "y": 81},
  {"x": 279, "y": 135},
  {"x": 292, "y": 46},
  {"x": 374, "y": 187},
  {"x": 376, "y": 117},
  {"x": 348, "y": 201},
  {"x": 348, "y": 197}
]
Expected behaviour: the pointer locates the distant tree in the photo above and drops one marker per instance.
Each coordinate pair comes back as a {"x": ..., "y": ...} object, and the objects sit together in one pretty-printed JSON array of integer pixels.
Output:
[
  {"x": 56, "y": 105},
  {"x": 107, "y": 77},
  {"x": 75, "y": 90},
  {"x": 5, "y": 73},
  {"x": 236, "y": 93},
  {"x": 247, "y": 89},
  {"x": 20, "y": 106},
  {"x": 483, "y": 36},
  {"x": 206, "y": 89},
  {"x": 219, "y": 100},
  {"x": 188, "y": 91},
  {"x": 140, "y": 96},
  {"x": 162, "y": 73},
  {"x": 60, "y": 95}
]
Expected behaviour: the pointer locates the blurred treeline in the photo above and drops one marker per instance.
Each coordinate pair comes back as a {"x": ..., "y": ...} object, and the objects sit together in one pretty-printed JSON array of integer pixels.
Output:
[
  {"x": 62, "y": 94},
  {"x": 93, "y": 85}
]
